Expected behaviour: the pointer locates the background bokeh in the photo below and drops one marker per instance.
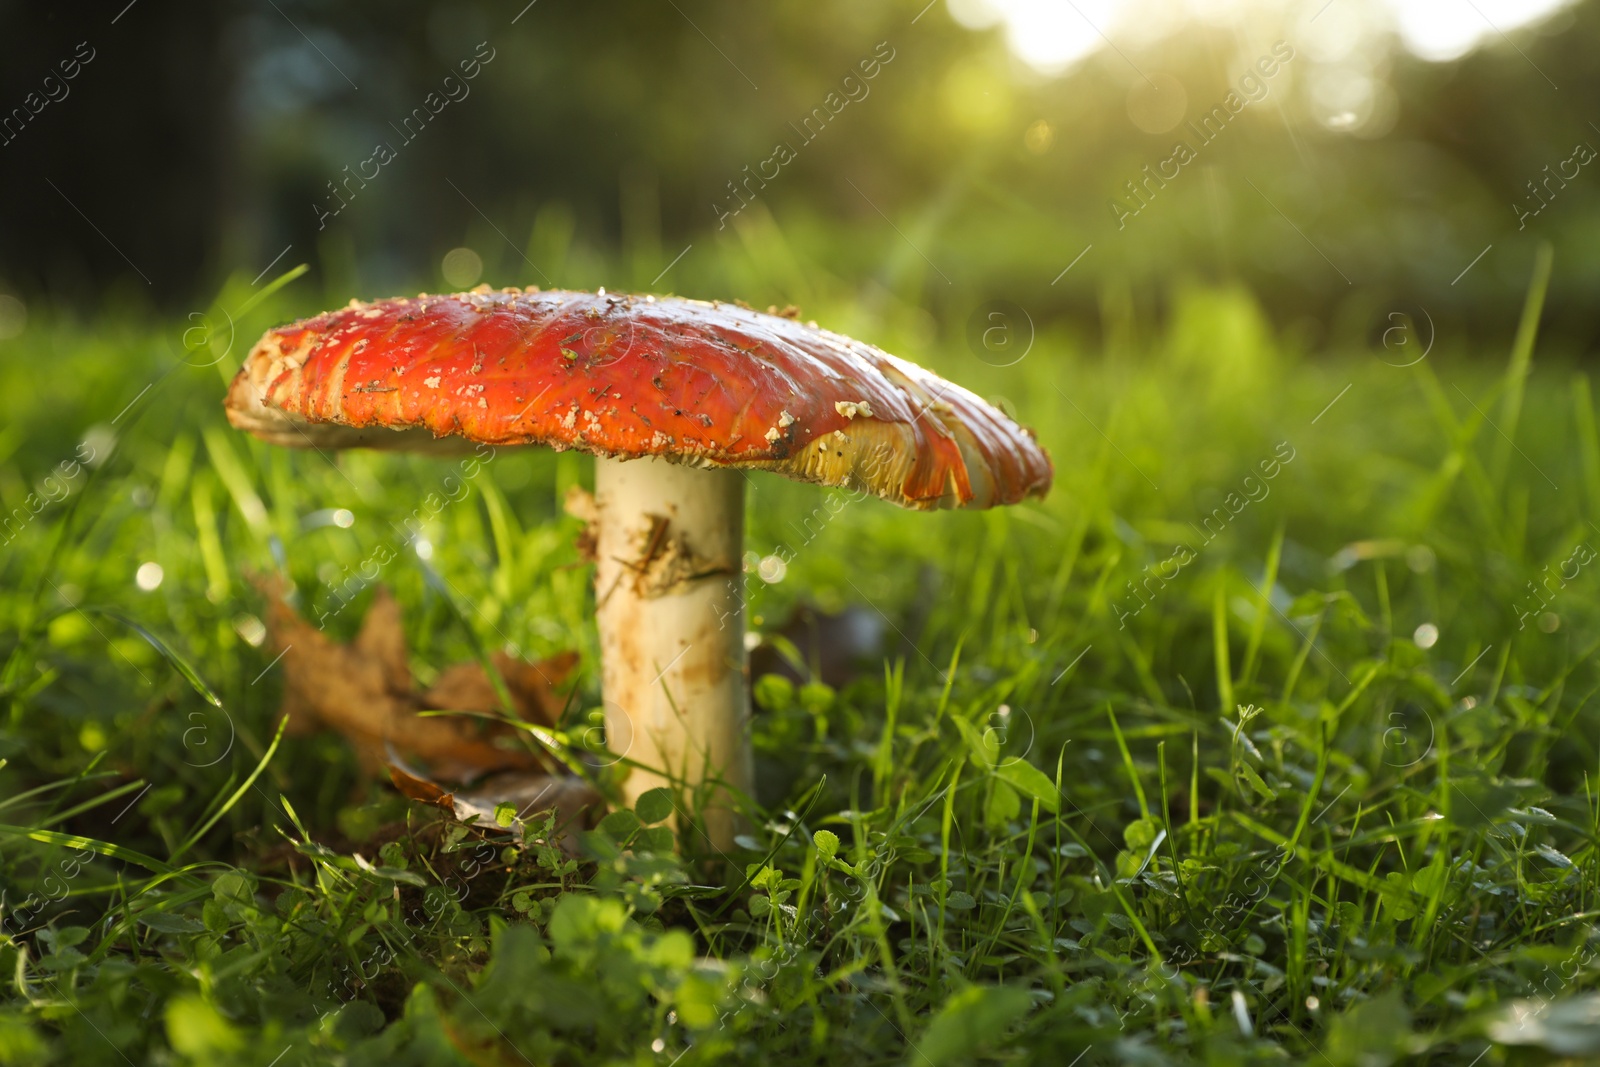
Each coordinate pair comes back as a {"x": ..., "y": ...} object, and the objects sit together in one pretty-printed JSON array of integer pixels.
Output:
[{"x": 664, "y": 144}]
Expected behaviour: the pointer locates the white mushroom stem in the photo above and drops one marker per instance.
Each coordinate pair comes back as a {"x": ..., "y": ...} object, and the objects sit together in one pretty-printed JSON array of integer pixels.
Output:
[{"x": 669, "y": 541}]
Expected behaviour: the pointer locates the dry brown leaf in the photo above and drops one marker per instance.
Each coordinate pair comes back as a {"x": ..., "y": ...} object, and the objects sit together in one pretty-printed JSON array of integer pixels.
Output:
[
  {"x": 465, "y": 687},
  {"x": 576, "y": 803},
  {"x": 420, "y": 789},
  {"x": 364, "y": 691}
]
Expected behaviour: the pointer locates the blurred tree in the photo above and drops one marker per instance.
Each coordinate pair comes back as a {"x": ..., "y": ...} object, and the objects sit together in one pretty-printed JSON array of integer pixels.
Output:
[
  {"x": 118, "y": 145},
  {"x": 596, "y": 140}
]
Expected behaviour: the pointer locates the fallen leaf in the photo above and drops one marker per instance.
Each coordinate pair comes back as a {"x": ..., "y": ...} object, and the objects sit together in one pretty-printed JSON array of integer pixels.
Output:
[
  {"x": 576, "y": 803},
  {"x": 465, "y": 687},
  {"x": 364, "y": 691},
  {"x": 419, "y": 788}
]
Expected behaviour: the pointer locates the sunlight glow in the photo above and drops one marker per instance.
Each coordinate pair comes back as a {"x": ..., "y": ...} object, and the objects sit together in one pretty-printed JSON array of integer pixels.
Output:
[
  {"x": 1053, "y": 35},
  {"x": 1447, "y": 29}
]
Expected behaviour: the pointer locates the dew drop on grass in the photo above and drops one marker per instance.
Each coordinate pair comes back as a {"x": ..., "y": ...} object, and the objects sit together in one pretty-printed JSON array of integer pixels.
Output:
[
  {"x": 344, "y": 518},
  {"x": 148, "y": 576},
  {"x": 1426, "y": 636},
  {"x": 1549, "y": 622}
]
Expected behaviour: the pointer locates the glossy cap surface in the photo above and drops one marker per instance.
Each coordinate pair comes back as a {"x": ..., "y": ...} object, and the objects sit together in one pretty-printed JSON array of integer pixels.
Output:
[{"x": 709, "y": 384}]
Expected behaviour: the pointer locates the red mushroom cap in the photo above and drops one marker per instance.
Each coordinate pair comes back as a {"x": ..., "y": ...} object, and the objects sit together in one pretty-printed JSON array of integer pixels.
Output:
[{"x": 628, "y": 376}]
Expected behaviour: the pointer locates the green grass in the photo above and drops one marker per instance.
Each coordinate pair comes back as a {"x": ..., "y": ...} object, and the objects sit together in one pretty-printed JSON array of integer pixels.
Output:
[{"x": 1266, "y": 816}]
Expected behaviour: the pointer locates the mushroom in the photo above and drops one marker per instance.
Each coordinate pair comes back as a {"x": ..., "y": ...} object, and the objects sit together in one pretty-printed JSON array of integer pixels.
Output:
[{"x": 678, "y": 400}]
